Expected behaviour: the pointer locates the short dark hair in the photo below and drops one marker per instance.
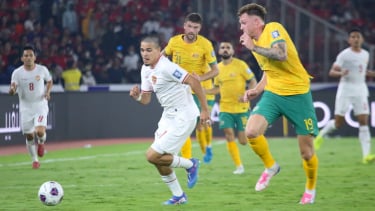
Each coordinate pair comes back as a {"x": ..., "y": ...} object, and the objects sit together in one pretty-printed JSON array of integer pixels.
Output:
[
  {"x": 253, "y": 9},
  {"x": 194, "y": 17},
  {"x": 354, "y": 30},
  {"x": 28, "y": 47},
  {"x": 152, "y": 39}
]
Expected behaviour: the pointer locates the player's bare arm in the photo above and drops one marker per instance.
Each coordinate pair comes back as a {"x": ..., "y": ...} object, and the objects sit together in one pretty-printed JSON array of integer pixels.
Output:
[
  {"x": 255, "y": 91},
  {"x": 198, "y": 90},
  {"x": 214, "y": 91},
  {"x": 12, "y": 88},
  {"x": 337, "y": 72},
  {"x": 276, "y": 52},
  {"x": 251, "y": 86},
  {"x": 210, "y": 74},
  {"x": 370, "y": 73},
  {"x": 47, "y": 95},
  {"x": 142, "y": 97}
]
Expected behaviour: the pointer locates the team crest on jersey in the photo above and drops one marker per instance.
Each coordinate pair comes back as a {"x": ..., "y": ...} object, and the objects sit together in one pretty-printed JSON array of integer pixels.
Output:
[
  {"x": 153, "y": 79},
  {"x": 195, "y": 55},
  {"x": 275, "y": 34},
  {"x": 37, "y": 78}
]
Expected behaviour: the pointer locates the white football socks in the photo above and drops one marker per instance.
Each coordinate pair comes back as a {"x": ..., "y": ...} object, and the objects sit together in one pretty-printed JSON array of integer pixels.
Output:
[
  {"x": 30, "y": 145},
  {"x": 172, "y": 182},
  {"x": 364, "y": 137},
  {"x": 328, "y": 128},
  {"x": 180, "y": 162}
]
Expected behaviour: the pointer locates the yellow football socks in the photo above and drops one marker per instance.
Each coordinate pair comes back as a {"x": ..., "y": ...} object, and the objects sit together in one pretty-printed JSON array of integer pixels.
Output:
[
  {"x": 209, "y": 136},
  {"x": 260, "y": 147},
  {"x": 311, "y": 170},
  {"x": 201, "y": 138},
  {"x": 186, "y": 149},
  {"x": 234, "y": 152}
]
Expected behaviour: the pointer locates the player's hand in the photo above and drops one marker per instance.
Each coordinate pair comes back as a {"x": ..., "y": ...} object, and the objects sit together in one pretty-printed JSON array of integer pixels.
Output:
[
  {"x": 12, "y": 90},
  {"x": 47, "y": 96},
  {"x": 135, "y": 92},
  {"x": 246, "y": 41},
  {"x": 205, "y": 119},
  {"x": 344, "y": 72},
  {"x": 250, "y": 94}
]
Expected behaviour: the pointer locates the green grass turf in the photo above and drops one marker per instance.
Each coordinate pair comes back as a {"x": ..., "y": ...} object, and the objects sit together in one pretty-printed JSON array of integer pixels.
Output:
[{"x": 118, "y": 177}]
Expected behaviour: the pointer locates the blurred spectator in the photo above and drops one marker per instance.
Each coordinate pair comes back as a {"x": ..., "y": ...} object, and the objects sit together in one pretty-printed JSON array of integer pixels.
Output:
[
  {"x": 56, "y": 72},
  {"x": 131, "y": 65},
  {"x": 108, "y": 41},
  {"x": 88, "y": 26},
  {"x": 70, "y": 19},
  {"x": 30, "y": 21},
  {"x": 166, "y": 31},
  {"x": 115, "y": 71},
  {"x": 152, "y": 25},
  {"x": 71, "y": 78},
  {"x": 87, "y": 77}
]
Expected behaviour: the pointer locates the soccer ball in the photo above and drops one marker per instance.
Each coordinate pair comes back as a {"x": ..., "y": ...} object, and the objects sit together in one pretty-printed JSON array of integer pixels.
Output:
[{"x": 51, "y": 193}]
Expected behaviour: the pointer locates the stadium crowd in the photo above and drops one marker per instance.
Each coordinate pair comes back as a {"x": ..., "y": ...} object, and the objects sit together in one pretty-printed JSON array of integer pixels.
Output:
[{"x": 102, "y": 37}]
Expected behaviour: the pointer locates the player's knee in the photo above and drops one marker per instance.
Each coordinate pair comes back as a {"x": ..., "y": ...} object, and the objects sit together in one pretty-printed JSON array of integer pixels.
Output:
[
  {"x": 40, "y": 133},
  {"x": 30, "y": 137},
  {"x": 243, "y": 141},
  {"x": 251, "y": 133},
  {"x": 149, "y": 157}
]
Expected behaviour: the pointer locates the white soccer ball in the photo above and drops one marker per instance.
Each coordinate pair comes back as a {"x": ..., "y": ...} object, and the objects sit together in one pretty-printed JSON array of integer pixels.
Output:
[{"x": 51, "y": 193}]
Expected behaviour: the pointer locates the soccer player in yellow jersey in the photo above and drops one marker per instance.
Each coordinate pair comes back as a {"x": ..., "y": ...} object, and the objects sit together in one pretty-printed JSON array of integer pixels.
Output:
[
  {"x": 195, "y": 54},
  {"x": 286, "y": 92},
  {"x": 231, "y": 84}
]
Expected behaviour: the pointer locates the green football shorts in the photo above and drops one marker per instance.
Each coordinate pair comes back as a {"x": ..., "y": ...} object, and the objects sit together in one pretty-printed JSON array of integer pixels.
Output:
[
  {"x": 298, "y": 109},
  {"x": 236, "y": 121},
  {"x": 210, "y": 103}
]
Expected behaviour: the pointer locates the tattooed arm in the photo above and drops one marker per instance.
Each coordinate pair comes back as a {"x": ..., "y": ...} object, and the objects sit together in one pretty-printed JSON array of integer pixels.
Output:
[{"x": 277, "y": 51}]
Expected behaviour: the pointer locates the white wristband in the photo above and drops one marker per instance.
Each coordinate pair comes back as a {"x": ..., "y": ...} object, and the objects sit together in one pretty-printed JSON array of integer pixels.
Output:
[{"x": 139, "y": 98}]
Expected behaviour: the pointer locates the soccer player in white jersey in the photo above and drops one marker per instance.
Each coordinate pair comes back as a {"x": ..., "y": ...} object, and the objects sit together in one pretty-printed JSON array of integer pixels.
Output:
[
  {"x": 28, "y": 81},
  {"x": 351, "y": 67},
  {"x": 171, "y": 85}
]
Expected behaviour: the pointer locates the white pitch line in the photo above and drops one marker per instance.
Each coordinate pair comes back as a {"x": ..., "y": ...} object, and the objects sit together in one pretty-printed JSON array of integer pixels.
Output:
[{"x": 87, "y": 157}]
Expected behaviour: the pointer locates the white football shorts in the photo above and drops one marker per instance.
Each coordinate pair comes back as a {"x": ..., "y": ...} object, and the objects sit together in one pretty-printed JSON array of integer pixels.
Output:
[
  {"x": 172, "y": 133},
  {"x": 32, "y": 118},
  {"x": 359, "y": 103}
]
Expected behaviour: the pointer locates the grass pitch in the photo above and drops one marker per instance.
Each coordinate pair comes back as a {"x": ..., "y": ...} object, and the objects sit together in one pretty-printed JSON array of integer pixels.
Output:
[{"x": 118, "y": 177}]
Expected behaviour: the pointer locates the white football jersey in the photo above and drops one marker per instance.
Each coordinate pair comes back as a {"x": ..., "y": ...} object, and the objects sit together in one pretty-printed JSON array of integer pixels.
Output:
[
  {"x": 354, "y": 83},
  {"x": 30, "y": 86},
  {"x": 166, "y": 80}
]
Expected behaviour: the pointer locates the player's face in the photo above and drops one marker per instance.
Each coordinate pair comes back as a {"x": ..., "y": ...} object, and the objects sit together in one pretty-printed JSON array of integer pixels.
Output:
[
  {"x": 28, "y": 58},
  {"x": 355, "y": 39},
  {"x": 226, "y": 50},
  {"x": 248, "y": 24},
  {"x": 192, "y": 30},
  {"x": 150, "y": 53}
]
